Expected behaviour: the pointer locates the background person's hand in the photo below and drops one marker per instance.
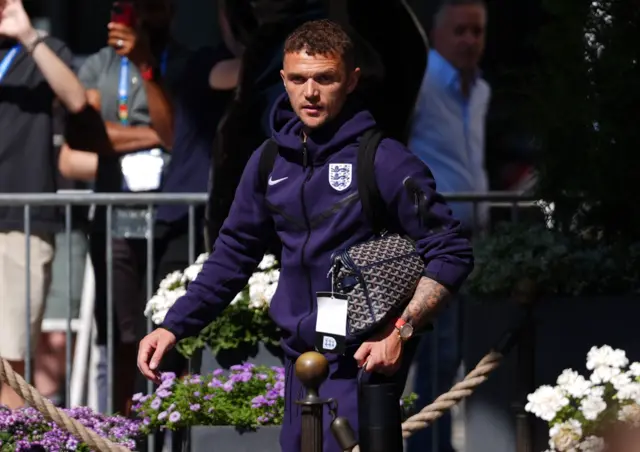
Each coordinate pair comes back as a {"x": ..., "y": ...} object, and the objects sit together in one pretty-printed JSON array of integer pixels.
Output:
[
  {"x": 127, "y": 42},
  {"x": 152, "y": 349},
  {"x": 14, "y": 21}
]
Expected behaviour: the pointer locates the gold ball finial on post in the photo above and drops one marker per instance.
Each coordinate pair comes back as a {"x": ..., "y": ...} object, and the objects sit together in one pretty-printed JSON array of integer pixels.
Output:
[{"x": 312, "y": 369}]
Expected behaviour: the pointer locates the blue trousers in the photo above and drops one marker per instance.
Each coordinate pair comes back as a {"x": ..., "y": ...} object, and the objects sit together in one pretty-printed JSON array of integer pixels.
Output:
[{"x": 341, "y": 385}]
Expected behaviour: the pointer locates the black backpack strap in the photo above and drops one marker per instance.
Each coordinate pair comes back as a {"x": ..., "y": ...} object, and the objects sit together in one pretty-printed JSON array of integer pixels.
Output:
[
  {"x": 267, "y": 160},
  {"x": 372, "y": 203}
]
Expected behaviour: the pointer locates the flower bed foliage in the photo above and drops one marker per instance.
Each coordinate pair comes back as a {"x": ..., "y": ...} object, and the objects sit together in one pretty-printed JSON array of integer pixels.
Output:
[
  {"x": 27, "y": 430},
  {"x": 556, "y": 262},
  {"x": 243, "y": 324},
  {"x": 247, "y": 397},
  {"x": 582, "y": 412}
]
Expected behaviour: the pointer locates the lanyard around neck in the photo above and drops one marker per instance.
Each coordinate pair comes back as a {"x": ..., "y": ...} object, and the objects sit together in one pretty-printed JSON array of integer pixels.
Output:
[
  {"x": 123, "y": 86},
  {"x": 6, "y": 62}
]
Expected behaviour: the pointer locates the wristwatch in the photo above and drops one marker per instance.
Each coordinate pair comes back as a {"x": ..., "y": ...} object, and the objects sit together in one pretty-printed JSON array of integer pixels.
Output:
[{"x": 405, "y": 329}]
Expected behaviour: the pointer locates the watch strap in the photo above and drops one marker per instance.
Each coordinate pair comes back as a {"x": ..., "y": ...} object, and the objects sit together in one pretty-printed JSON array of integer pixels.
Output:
[{"x": 400, "y": 322}]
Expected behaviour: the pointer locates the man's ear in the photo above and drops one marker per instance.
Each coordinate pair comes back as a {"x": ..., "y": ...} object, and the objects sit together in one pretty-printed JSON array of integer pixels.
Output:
[
  {"x": 282, "y": 75},
  {"x": 354, "y": 78}
]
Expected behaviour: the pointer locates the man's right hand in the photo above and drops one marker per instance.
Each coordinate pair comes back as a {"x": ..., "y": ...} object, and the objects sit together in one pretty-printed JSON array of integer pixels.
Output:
[{"x": 152, "y": 349}]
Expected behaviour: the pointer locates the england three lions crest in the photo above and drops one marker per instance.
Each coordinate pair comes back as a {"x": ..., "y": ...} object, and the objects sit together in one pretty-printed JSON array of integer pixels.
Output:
[{"x": 340, "y": 176}]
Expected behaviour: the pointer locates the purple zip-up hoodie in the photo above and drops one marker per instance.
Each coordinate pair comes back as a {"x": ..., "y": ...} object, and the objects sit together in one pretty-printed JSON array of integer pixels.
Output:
[{"x": 314, "y": 217}]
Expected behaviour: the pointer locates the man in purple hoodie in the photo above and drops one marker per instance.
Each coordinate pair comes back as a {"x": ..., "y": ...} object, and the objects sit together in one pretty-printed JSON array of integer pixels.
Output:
[{"x": 317, "y": 124}]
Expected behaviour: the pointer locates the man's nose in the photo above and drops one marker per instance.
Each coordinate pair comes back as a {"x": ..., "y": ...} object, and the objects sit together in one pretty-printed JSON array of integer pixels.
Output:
[
  {"x": 310, "y": 89},
  {"x": 470, "y": 38}
]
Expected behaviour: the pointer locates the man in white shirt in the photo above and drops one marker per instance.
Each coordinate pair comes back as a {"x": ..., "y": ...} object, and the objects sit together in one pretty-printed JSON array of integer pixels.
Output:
[
  {"x": 448, "y": 130},
  {"x": 448, "y": 134}
]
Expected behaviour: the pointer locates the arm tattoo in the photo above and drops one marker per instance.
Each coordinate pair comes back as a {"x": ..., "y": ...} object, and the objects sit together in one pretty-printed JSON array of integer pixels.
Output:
[{"x": 429, "y": 297}]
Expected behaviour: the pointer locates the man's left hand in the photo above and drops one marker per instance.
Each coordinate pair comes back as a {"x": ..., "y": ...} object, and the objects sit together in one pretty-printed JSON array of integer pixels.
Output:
[
  {"x": 14, "y": 21},
  {"x": 382, "y": 354}
]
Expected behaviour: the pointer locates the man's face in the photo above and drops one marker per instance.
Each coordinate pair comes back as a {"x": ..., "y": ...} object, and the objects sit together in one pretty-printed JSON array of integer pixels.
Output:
[
  {"x": 317, "y": 85},
  {"x": 460, "y": 35}
]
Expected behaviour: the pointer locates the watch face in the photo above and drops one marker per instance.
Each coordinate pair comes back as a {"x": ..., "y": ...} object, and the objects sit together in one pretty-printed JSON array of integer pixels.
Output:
[{"x": 406, "y": 331}]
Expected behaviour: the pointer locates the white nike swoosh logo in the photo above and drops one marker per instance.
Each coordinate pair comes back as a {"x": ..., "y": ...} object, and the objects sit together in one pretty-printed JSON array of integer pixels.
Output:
[{"x": 277, "y": 181}]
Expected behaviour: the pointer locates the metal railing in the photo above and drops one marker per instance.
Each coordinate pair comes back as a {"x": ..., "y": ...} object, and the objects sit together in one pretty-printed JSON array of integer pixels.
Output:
[{"x": 78, "y": 373}]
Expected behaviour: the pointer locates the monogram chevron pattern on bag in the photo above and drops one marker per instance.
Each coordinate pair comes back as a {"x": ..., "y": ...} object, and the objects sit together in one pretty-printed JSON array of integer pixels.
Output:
[{"x": 386, "y": 272}]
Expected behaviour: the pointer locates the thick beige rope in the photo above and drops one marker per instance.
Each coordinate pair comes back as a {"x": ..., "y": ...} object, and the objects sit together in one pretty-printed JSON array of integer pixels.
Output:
[
  {"x": 54, "y": 414},
  {"x": 417, "y": 422},
  {"x": 465, "y": 388},
  {"x": 458, "y": 392}
]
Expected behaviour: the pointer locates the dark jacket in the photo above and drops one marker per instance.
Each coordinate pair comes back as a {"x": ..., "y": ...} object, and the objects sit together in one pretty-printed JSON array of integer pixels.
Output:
[{"x": 313, "y": 217}]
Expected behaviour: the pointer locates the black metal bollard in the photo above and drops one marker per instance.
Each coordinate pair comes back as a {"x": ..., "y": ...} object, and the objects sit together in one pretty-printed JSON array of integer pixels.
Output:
[
  {"x": 380, "y": 418},
  {"x": 312, "y": 369}
]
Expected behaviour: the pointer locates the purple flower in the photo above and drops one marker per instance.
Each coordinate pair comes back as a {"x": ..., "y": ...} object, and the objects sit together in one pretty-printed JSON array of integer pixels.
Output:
[
  {"x": 137, "y": 397},
  {"x": 241, "y": 377},
  {"x": 218, "y": 372},
  {"x": 156, "y": 404},
  {"x": 168, "y": 376},
  {"x": 175, "y": 416},
  {"x": 196, "y": 394},
  {"x": 262, "y": 376},
  {"x": 259, "y": 401},
  {"x": 167, "y": 384},
  {"x": 162, "y": 415},
  {"x": 215, "y": 383},
  {"x": 163, "y": 393},
  {"x": 228, "y": 386},
  {"x": 194, "y": 407},
  {"x": 208, "y": 397},
  {"x": 27, "y": 430}
]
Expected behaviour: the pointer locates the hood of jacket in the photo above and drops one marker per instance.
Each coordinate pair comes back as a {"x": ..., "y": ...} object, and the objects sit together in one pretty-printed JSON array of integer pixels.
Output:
[{"x": 343, "y": 130}]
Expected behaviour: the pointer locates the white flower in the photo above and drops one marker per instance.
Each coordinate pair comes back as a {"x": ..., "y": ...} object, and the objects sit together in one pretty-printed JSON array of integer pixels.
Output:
[
  {"x": 634, "y": 368},
  {"x": 629, "y": 392},
  {"x": 153, "y": 304},
  {"x": 592, "y": 444},
  {"x": 171, "y": 280},
  {"x": 607, "y": 357},
  {"x": 262, "y": 287},
  {"x": 565, "y": 436},
  {"x": 604, "y": 374},
  {"x": 268, "y": 262},
  {"x": 202, "y": 258},
  {"x": 621, "y": 380},
  {"x": 546, "y": 401},
  {"x": 191, "y": 273},
  {"x": 237, "y": 298},
  {"x": 592, "y": 406},
  {"x": 158, "y": 316},
  {"x": 596, "y": 391},
  {"x": 630, "y": 414},
  {"x": 573, "y": 384},
  {"x": 160, "y": 304}
]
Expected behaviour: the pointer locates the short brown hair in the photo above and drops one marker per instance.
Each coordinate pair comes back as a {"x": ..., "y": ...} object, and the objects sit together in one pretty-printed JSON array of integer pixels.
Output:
[{"x": 322, "y": 37}]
